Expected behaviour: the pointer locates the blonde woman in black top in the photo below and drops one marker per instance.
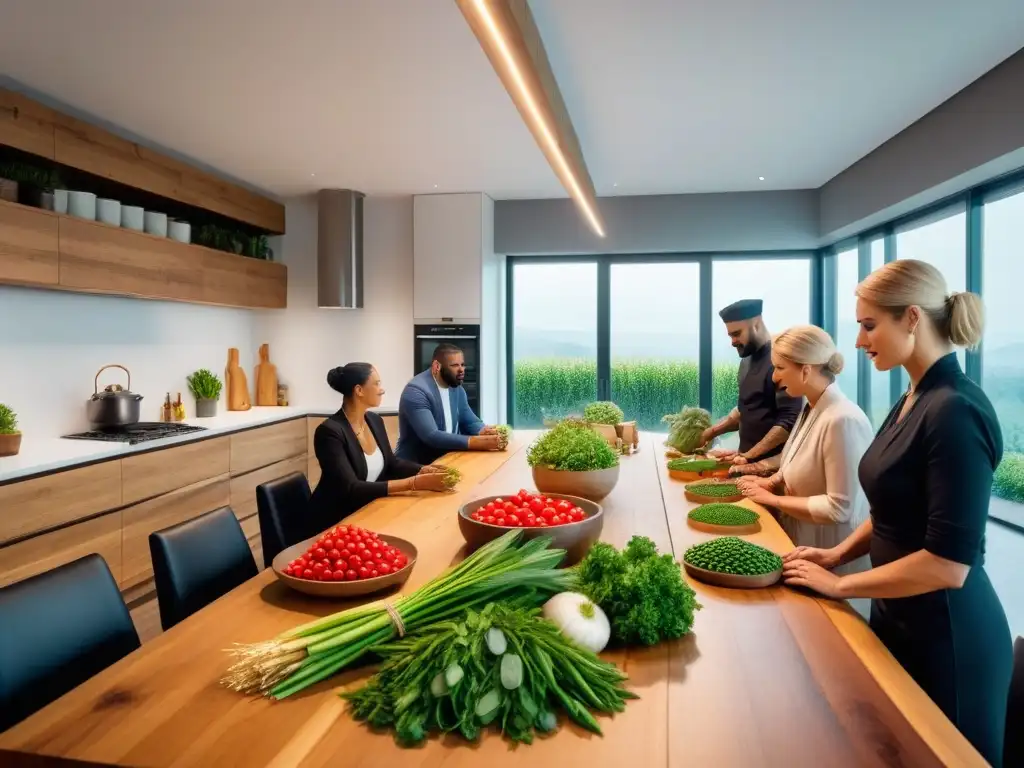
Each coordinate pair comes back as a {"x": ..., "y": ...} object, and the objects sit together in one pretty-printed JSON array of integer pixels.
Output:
[{"x": 928, "y": 479}]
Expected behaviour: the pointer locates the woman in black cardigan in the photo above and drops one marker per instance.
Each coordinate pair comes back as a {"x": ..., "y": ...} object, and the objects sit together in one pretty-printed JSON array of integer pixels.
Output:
[{"x": 357, "y": 464}]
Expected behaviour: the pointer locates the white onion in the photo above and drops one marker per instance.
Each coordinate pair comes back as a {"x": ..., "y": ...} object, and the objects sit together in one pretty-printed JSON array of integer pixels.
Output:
[{"x": 579, "y": 619}]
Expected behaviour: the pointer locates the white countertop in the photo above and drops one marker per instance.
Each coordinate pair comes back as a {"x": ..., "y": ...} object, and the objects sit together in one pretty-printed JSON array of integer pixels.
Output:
[{"x": 48, "y": 454}]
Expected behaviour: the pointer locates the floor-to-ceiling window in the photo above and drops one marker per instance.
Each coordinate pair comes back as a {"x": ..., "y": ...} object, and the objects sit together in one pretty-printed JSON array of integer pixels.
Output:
[
  {"x": 554, "y": 340},
  {"x": 847, "y": 277},
  {"x": 785, "y": 287},
  {"x": 1003, "y": 346},
  {"x": 654, "y": 339}
]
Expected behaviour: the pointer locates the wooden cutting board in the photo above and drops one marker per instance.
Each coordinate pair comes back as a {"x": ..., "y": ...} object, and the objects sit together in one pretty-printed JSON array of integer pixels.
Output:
[
  {"x": 266, "y": 378},
  {"x": 238, "y": 385}
]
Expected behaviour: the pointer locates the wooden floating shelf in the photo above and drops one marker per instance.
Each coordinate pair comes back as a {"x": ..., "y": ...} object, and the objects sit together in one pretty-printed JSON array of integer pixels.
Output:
[{"x": 47, "y": 250}]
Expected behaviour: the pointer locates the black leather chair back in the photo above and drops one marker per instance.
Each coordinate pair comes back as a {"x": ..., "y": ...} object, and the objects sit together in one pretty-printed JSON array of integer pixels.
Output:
[
  {"x": 283, "y": 506},
  {"x": 1013, "y": 745},
  {"x": 197, "y": 561},
  {"x": 57, "y": 630}
]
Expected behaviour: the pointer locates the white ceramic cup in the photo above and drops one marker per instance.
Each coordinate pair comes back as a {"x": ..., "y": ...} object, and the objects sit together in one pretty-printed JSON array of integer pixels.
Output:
[
  {"x": 155, "y": 223},
  {"x": 179, "y": 230},
  {"x": 132, "y": 217},
  {"x": 108, "y": 211},
  {"x": 82, "y": 205},
  {"x": 60, "y": 200}
]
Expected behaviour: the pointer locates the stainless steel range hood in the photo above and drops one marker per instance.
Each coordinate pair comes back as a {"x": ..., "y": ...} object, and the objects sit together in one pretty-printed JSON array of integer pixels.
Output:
[{"x": 339, "y": 249}]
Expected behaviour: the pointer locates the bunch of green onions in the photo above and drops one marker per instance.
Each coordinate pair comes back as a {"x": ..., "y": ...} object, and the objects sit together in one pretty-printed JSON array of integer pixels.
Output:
[{"x": 315, "y": 651}]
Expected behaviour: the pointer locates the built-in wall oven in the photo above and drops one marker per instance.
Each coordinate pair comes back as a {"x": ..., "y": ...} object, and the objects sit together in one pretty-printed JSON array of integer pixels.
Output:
[{"x": 467, "y": 338}]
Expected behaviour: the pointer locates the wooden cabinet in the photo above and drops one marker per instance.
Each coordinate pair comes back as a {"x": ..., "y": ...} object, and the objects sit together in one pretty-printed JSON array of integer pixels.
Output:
[
  {"x": 264, "y": 446},
  {"x": 97, "y": 258},
  {"x": 172, "y": 508},
  {"x": 54, "y": 500},
  {"x": 26, "y": 125},
  {"x": 50, "y": 550},
  {"x": 243, "y": 487},
  {"x": 28, "y": 245},
  {"x": 146, "y": 475}
]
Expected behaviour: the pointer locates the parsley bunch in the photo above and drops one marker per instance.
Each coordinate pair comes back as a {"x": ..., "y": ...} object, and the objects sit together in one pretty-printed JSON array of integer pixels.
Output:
[{"x": 644, "y": 594}]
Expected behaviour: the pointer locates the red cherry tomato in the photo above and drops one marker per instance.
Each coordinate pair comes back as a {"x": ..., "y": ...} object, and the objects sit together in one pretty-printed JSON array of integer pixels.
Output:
[
  {"x": 384, "y": 569},
  {"x": 512, "y": 519},
  {"x": 333, "y": 554},
  {"x": 364, "y": 572},
  {"x": 490, "y": 507},
  {"x": 318, "y": 568},
  {"x": 351, "y": 575},
  {"x": 374, "y": 573},
  {"x": 355, "y": 561},
  {"x": 401, "y": 562},
  {"x": 490, "y": 519},
  {"x": 319, "y": 553},
  {"x": 499, "y": 521},
  {"x": 548, "y": 513},
  {"x": 327, "y": 544},
  {"x": 345, "y": 554},
  {"x": 307, "y": 574},
  {"x": 542, "y": 523},
  {"x": 563, "y": 506},
  {"x": 536, "y": 505}
]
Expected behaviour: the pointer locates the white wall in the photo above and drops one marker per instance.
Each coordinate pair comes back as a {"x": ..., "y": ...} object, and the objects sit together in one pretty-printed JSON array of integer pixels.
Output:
[
  {"x": 52, "y": 343},
  {"x": 306, "y": 342}
]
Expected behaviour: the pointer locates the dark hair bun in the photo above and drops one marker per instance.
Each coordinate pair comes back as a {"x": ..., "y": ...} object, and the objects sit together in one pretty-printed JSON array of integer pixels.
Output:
[{"x": 346, "y": 378}]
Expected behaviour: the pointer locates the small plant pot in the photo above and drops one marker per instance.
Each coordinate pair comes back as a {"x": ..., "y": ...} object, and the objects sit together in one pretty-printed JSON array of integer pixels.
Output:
[
  {"x": 10, "y": 444},
  {"x": 205, "y": 409},
  {"x": 593, "y": 485},
  {"x": 8, "y": 190}
]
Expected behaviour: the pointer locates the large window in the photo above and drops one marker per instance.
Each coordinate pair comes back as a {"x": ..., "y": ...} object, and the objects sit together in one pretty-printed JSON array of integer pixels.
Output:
[
  {"x": 785, "y": 287},
  {"x": 879, "y": 381},
  {"x": 655, "y": 339},
  {"x": 847, "y": 277},
  {"x": 554, "y": 348},
  {"x": 1003, "y": 350}
]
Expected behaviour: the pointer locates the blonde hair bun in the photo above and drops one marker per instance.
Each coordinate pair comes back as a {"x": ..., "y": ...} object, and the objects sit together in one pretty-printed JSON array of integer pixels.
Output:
[
  {"x": 966, "y": 313},
  {"x": 835, "y": 364},
  {"x": 809, "y": 345}
]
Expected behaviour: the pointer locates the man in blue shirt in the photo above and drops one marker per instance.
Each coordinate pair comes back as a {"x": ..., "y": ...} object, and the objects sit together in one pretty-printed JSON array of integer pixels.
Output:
[{"x": 434, "y": 416}]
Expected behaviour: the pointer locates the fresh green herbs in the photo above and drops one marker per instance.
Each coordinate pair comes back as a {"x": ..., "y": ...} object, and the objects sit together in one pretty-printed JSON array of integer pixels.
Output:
[
  {"x": 33, "y": 176},
  {"x": 571, "y": 446},
  {"x": 686, "y": 428},
  {"x": 505, "y": 433},
  {"x": 643, "y": 593},
  {"x": 504, "y": 666},
  {"x": 8, "y": 421},
  {"x": 603, "y": 412},
  {"x": 723, "y": 514},
  {"x": 728, "y": 554},
  {"x": 204, "y": 385},
  {"x": 452, "y": 476},
  {"x": 313, "y": 652},
  {"x": 714, "y": 490},
  {"x": 696, "y": 465}
]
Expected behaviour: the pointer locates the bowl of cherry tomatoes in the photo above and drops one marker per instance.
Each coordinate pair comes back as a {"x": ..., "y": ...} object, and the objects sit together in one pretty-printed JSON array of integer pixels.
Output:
[
  {"x": 346, "y": 561},
  {"x": 573, "y": 523}
]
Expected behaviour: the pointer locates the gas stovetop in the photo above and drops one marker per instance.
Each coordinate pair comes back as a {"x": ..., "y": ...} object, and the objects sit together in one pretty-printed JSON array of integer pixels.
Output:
[{"x": 137, "y": 433}]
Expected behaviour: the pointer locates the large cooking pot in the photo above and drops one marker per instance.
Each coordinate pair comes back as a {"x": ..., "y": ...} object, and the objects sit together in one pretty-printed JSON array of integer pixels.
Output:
[{"x": 115, "y": 406}]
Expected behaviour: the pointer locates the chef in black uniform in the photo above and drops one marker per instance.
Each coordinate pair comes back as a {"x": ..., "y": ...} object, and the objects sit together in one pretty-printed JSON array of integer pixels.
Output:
[
  {"x": 764, "y": 415},
  {"x": 928, "y": 478}
]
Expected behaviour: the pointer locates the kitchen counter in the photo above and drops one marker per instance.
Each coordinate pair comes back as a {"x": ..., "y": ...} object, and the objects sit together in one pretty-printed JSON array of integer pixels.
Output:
[
  {"x": 767, "y": 677},
  {"x": 49, "y": 454}
]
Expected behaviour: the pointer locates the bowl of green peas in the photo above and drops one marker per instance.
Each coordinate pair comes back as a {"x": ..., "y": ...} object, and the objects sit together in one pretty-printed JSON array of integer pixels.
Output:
[
  {"x": 710, "y": 491},
  {"x": 728, "y": 561},
  {"x": 728, "y": 519}
]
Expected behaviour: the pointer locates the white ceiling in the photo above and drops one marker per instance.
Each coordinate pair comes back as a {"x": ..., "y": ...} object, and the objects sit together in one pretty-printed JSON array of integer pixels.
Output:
[{"x": 395, "y": 96}]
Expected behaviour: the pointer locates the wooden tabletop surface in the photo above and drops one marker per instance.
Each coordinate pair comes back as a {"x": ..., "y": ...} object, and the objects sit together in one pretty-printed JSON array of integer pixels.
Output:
[{"x": 768, "y": 677}]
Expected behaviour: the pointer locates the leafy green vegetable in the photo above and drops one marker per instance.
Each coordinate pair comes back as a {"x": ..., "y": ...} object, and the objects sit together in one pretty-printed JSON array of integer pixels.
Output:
[
  {"x": 603, "y": 412},
  {"x": 452, "y": 476},
  {"x": 697, "y": 465},
  {"x": 8, "y": 421},
  {"x": 723, "y": 514},
  {"x": 571, "y": 446},
  {"x": 686, "y": 427},
  {"x": 505, "y": 433},
  {"x": 517, "y": 690},
  {"x": 204, "y": 385},
  {"x": 713, "y": 490},
  {"x": 644, "y": 594},
  {"x": 729, "y": 554}
]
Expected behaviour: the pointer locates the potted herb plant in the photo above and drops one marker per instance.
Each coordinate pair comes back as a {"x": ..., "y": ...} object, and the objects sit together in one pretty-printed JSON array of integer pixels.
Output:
[
  {"x": 205, "y": 388},
  {"x": 574, "y": 460},
  {"x": 10, "y": 437},
  {"x": 608, "y": 420},
  {"x": 31, "y": 185}
]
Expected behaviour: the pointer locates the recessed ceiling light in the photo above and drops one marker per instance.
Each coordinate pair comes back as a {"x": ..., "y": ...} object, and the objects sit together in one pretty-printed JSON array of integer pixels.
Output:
[
  {"x": 615, "y": 184},
  {"x": 760, "y": 178},
  {"x": 435, "y": 186}
]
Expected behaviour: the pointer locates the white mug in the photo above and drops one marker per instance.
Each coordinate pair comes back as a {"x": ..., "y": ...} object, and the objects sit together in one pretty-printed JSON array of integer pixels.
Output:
[
  {"x": 155, "y": 223},
  {"x": 60, "y": 200},
  {"x": 108, "y": 211},
  {"x": 179, "y": 230},
  {"x": 82, "y": 205},
  {"x": 132, "y": 217}
]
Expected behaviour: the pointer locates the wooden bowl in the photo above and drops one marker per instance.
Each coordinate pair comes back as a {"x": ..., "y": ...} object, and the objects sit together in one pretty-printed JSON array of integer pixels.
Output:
[
  {"x": 697, "y": 498},
  {"x": 575, "y": 538},
  {"x": 732, "y": 580},
  {"x": 343, "y": 589},
  {"x": 593, "y": 485}
]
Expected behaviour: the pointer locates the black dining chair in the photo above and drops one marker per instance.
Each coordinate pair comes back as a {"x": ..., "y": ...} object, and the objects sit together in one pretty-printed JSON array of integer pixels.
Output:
[
  {"x": 57, "y": 630},
  {"x": 197, "y": 561},
  {"x": 282, "y": 506},
  {"x": 1013, "y": 745}
]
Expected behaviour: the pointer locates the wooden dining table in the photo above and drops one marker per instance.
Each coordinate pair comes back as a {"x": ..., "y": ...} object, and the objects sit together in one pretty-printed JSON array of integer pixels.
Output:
[{"x": 768, "y": 677}]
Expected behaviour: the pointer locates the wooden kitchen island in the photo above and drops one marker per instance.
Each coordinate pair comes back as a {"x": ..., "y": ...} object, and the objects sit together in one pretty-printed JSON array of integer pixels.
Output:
[{"x": 767, "y": 678}]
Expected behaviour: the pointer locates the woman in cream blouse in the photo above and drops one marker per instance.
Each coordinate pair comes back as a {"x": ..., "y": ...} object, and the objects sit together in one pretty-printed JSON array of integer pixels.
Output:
[{"x": 816, "y": 489}]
